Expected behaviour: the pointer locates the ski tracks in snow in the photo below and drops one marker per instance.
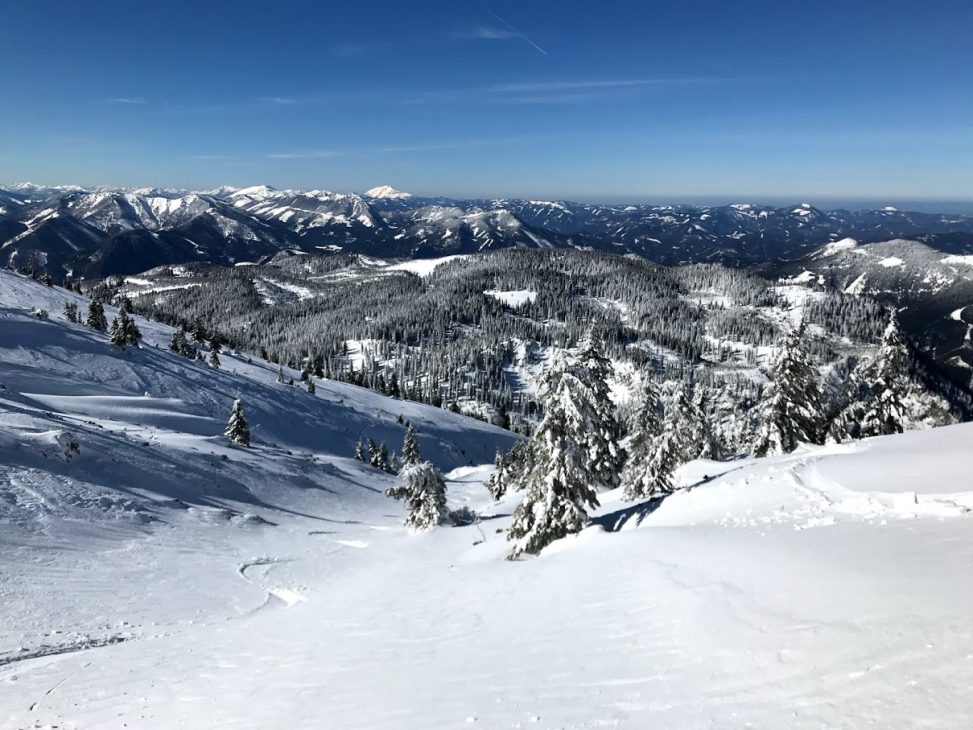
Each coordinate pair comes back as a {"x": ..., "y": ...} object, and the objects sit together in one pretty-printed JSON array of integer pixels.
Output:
[{"x": 256, "y": 572}]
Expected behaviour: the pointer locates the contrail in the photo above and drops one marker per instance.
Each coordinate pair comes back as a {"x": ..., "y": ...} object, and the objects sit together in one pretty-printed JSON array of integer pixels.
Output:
[{"x": 517, "y": 32}]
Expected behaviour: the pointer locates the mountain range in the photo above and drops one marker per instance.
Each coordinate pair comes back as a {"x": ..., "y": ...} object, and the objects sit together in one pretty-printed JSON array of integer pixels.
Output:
[{"x": 69, "y": 230}]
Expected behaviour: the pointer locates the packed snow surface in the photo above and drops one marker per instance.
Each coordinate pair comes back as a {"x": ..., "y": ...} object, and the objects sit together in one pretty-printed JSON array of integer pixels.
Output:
[{"x": 154, "y": 576}]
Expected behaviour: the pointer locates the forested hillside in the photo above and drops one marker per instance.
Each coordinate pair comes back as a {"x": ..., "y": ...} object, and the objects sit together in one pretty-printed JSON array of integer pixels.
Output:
[{"x": 476, "y": 334}]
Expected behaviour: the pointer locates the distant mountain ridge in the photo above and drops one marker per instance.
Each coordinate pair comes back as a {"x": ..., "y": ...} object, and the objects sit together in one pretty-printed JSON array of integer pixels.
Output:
[
  {"x": 94, "y": 233},
  {"x": 931, "y": 290}
]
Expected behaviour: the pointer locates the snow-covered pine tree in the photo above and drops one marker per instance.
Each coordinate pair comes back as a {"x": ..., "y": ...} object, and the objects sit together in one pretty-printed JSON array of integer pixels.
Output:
[
  {"x": 125, "y": 305},
  {"x": 790, "y": 405},
  {"x": 198, "y": 332},
  {"x": 559, "y": 485},
  {"x": 372, "y": 452},
  {"x": 280, "y": 373},
  {"x": 360, "y": 450},
  {"x": 71, "y": 312},
  {"x": 422, "y": 487},
  {"x": 497, "y": 483},
  {"x": 179, "y": 344},
  {"x": 685, "y": 417},
  {"x": 512, "y": 468},
  {"x": 214, "y": 359},
  {"x": 639, "y": 477},
  {"x": 410, "y": 447},
  {"x": 311, "y": 389},
  {"x": 517, "y": 464},
  {"x": 885, "y": 411},
  {"x": 603, "y": 432},
  {"x": 129, "y": 330},
  {"x": 118, "y": 334},
  {"x": 237, "y": 428},
  {"x": 710, "y": 445},
  {"x": 382, "y": 462},
  {"x": 96, "y": 316}
]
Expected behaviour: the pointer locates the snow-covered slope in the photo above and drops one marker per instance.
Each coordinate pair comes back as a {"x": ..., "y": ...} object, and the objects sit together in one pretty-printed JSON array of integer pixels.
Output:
[{"x": 156, "y": 577}]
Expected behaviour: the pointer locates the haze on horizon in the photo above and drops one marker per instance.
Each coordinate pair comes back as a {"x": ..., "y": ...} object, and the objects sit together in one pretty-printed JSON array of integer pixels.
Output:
[{"x": 702, "y": 102}]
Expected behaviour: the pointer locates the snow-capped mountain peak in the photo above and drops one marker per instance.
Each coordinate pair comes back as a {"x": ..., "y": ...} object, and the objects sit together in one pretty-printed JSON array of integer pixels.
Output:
[{"x": 387, "y": 192}]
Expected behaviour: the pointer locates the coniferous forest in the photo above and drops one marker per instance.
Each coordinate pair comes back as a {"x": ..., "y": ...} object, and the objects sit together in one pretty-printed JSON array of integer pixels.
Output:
[{"x": 478, "y": 334}]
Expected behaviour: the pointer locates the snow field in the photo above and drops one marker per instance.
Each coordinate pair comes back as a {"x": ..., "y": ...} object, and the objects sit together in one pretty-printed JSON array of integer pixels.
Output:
[{"x": 158, "y": 577}]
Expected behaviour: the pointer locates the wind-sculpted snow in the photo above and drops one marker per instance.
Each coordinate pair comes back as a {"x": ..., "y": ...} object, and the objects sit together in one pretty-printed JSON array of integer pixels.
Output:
[{"x": 154, "y": 576}]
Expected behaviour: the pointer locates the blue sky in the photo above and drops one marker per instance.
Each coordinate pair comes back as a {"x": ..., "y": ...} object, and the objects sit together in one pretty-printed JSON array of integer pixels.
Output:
[{"x": 599, "y": 101}]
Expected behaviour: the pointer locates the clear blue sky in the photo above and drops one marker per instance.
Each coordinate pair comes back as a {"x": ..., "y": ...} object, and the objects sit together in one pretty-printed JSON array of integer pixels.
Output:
[{"x": 584, "y": 100}]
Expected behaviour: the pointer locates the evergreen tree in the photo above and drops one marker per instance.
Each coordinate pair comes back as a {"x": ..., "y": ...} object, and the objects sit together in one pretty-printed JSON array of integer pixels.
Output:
[
  {"x": 96, "y": 316},
  {"x": 790, "y": 407},
  {"x": 888, "y": 385},
  {"x": 497, "y": 483},
  {"x": 658, "y": 463},
  {"x": 382, "y": 461},
  {"x": 518, "y": 463},
  {"x": 686, "y": 418},
  {"x": 511, "y": 470},
  {"x": 603, "y": 432},
  {"x": 125, "y": 305},
  {"x": 710, "y": 447},
  {"x": 179, "y": 344},
  {"x": 559, "y": 487},
  {"x": 199, "y": 332},
  {"x": 422, "y": 487},
  {"x": 360, "y": 450},
  {"x": 214, "y": 359},
  {"x": 372, "y": 453},
  {"x": 118, "y": 334},
  {"x": 71, "y": 312},
  {"x": 310, "y": 386},
  {"x": 237, "y": 429},
  {"x": 410, "y": 447},
  {"x": 502, "y": 418},
  {"x": 280, "y": 373},
  {"x": 131, "y": 330},
  {"x": 642, "y": 476}
]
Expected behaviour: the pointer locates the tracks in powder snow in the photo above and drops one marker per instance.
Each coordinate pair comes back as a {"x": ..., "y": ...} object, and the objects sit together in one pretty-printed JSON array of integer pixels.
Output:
[
  {"x": 50, "y": 650},
  {"x": 256, "y": 573}
]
